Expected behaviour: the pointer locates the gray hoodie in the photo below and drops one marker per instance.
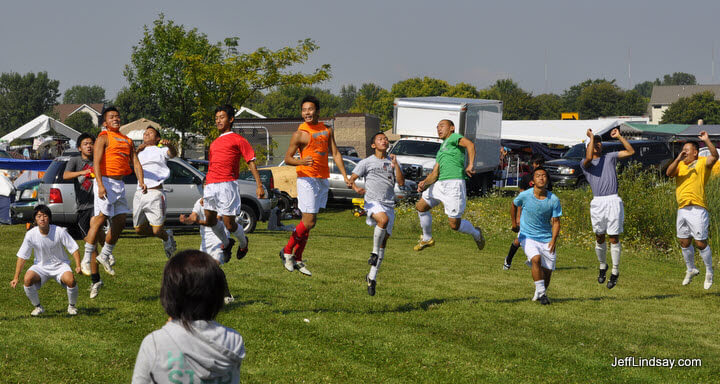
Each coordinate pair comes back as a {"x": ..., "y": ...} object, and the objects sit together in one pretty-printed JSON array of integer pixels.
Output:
[{"x": 212, "y": 353}]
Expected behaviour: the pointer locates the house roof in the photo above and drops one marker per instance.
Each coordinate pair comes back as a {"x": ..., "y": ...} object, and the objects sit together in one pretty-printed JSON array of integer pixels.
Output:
[
  {"x": 65, "y": 110},
  {"x": 138, "y": 125},
  {"x": 668, "y": 94}
]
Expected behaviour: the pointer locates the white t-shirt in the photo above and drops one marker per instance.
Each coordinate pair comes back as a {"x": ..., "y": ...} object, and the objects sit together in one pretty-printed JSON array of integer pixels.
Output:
[
  {"x": 154, "y": 164},
  {"x": 48, "y": 248},
  {"x": 209, "y": 242}
]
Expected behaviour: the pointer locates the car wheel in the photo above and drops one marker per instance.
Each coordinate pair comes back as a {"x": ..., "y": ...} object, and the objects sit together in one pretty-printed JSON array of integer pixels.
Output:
[
  {"x": 582, "y": 183},
  {"x": 285, "y": 204},
  {"x": 247, "y": 219}
]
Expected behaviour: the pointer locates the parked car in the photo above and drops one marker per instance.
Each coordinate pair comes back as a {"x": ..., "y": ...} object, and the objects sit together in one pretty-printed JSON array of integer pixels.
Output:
[
  {"x": 566, "y": 172},
  {"x": 182, "y": 188},
  {"x": 347, "y": 150},
  {"x": 25, "y": 201},
  {"x": 200, "y": 165}
]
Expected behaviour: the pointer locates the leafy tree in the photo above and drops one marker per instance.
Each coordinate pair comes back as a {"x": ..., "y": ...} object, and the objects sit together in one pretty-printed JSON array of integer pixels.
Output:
[
  {"x": 135, "y": 105},
  {"x": 84, "y": 94},
  {"x": 82, "y": 122},
  {"x": 550, "y": 106},
  {"x": 285, "y": 101},
  {"x": 517, "y": 104},
  {"x": 571, "y": 95},
  {"x": 599, "y": 100},
  {"x": 348, "y": 93},
  {"x": 375, "y": 100},
  {"x": 462, "y": 90},
  {"x": 677, "y": 78},
  {"x": 417, "y": 87},
  {"x": 688, "y": 110},
  {"x": 633, "y": 104},
  {"x": 24, "y": 97},
  {"x": 644, "y": 88}
]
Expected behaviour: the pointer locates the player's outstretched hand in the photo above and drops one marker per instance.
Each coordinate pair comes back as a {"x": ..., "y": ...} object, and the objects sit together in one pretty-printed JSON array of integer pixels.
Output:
[
  {"x": 360, "y": 191},
  {"x": 704, "y": 136},
  {"x": 348, "y": 182},
  {"x": 13, "y": 283},
  {"x": 184, "y": 219},
  {"x": 615, "y": 133},
  {"x": 589, "y": 133}
]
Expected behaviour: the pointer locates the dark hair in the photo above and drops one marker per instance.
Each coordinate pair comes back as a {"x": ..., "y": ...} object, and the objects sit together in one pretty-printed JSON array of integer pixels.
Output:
[
  {"x": 372, "y": 140},
  {"x": 228, "y": 109},
  {"x": 157, "y": 133},
  {"x": 105, "y": 110},
  {"x": 694, "y": 144},
  {"x": 42, "y": 208},
  {"x": 82, "y": 137},
  {"x": 537, "y": 159},
  {"x": 597, "y": 139},
  {"x": 193, "y": 287},
  {"x": 539, "y": 169},
  {"x": 311, "y": 99},
  {"x": 448, "y": 121}
]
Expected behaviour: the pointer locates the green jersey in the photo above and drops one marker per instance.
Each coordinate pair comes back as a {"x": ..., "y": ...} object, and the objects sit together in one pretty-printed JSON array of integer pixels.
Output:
[{"x": 451, "y": 158}]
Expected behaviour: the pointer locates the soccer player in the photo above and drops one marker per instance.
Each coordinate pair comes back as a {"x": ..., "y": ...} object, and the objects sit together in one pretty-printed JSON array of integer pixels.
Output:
[
  {"x": 191, "y": 347},
  {"x": 539, "y": 228},
  {"x": 47, "y": 242},
  {"x": 526, "y": 183},
  {"x": 113, "y": 153},
  {"x": 446, "y": 185},
  {"x": 221, "y": 195},
  {"x": 691, "y": 173},
  {"x": 380, "y": 173},
  {"x": 149, "y": 208},
  {"x": 607, "y": 212},
  {"x": 314, "y": 141},
  {"x": 80, "y": 170}
]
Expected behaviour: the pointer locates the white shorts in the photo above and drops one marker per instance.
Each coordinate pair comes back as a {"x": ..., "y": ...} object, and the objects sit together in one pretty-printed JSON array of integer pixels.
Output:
[
  {"x": 451, "y": 193},
  {"x": 114, "y": 202},
  {"x": 223, "y": 198},
  {"x": 607, "y": 214},
  {"x": 312, "y": 194},
  {"x": 47, "y": 273},
  {"x": 214, "y": 250},
  {"x": 372, "y": 207},
  {"x": 692, "y": 221},
  {"x": 149, "y": 208},
  {"x": 533, "y": 248}
]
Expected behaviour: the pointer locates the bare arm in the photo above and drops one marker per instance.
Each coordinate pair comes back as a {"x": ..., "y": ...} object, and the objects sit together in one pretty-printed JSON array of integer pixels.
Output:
[
  {"x": 514, "y": 217},
  {"x": 555, "y": 232},
  {"x": 430, "y": 179},
  {"x": 713, "y": 151},
  {"x": 138, "y": 170},
  {"x": 67, "y": 175},
  {"x": 337, "y": 157},
  {"x": 629, "y": 150},
  {"x": 672, "y": 169},
  {"x": 76, "y": 257},
  {"x": 295, "y": 143},
  {"x": 259, "y": 191},
  {"x": 18, "y": 268},
  {"x": 172, "y": 149},
  {"x": 190, "y": 219},
  {"x": 399, "y": 177},
  {"x": 98, "y": 153},
  {"x": 470, "y": 148},
  {"x": 589, "y": 149},
  {"x": 355, "y": 188}
]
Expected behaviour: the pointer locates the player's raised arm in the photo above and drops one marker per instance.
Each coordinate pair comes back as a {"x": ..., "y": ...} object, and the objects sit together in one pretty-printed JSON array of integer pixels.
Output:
[
  {"x": 711, "y": 147},
  {"x": 589, "y": 149},
  {"x": 399, "y": 177},
  {"x": 629, "y": 150}
]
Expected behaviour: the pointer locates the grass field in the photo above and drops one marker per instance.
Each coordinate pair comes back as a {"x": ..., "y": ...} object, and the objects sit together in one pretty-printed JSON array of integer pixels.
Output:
[{"x": 447, "y": 314}]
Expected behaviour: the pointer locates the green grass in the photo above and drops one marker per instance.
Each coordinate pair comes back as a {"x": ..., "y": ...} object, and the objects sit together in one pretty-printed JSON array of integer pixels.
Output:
[{"x": 447, "y": 314}]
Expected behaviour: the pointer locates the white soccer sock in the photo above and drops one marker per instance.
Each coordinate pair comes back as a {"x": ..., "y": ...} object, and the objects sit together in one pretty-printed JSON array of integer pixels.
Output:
[
  {"x": 107, "y": 249},
  {"x": 374, "y": 269},
  {"x": 706, "y": 255},
  {"x": 240, "y": 235},
  {"x": 466, "y": 227},
  {"x": 615, "y": 254},
  {"x": 378, "y": 237},
  {"x": 601, "y": 252},
  {"x": 426, "y": 224},
  {"x": 72, "y": 295},
  {"x": 540, "y": 287},
  {"x": 689, "y": 256},
  {"x": 219, "y": 231},
  {"x": 89, "y": 249},
  {"x": 32, "y": 293}
]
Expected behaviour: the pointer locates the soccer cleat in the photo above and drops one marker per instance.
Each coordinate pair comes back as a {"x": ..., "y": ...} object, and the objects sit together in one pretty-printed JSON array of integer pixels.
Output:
[
  {"x": 301, "y": 267},
  {"x": 111, "y": 259},
  {"x": 103, "y": 260},
  {"x": 227, "y": 251},
  {"x": 689, "y": 276},
  {"x": 170, "y": 244},
  {"x": 288, "y": 260},
  {"x": 480, "y": 241},
  {"x": 241, "y": 252},
  {"x": 95, "y": 289},
  {"x": 37, "y": 311},
  {"x": 424, "y": 244},
  {"x": 544, "y": 300},
  {"x": 507, "y": 263},
  {"x": 613, "y": 280},
  {"x": 370, "y": 285},
  {"x": 85, "y": 267},
  {"x": 708, "y": 280},
  {"x": 601, "y": 275},
  {"x": 373, "y": 259},
  {"x": 72, "y": 310},
  {"x": 228, "y": 299}
]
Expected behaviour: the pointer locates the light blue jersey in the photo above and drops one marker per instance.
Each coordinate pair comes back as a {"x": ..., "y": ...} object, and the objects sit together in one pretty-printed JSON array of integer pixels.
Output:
[{"x": 536, "y": 215}]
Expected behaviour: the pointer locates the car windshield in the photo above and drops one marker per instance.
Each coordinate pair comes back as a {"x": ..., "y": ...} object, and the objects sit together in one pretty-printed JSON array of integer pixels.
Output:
[
  {"x": 576, "y": 152},
  {"x": 416, "y": 148}
]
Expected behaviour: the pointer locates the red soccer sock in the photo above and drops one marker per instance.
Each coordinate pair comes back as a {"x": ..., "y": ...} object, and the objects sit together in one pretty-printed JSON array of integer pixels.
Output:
[
  {"x": 301, "y": 247},
  {"x": 296, "y": 237}
]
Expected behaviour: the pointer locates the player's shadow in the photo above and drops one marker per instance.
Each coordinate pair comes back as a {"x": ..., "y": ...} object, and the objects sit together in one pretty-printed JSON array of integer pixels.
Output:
[
  {"x": 403, "y": 308},
  {"x": 60, "y": 313},
  {"x": 243, "y": 303},
  {"x": 658, "y": 297},
  {"x": 149, "y": 298},
  {"x": 569, "y": 268}
]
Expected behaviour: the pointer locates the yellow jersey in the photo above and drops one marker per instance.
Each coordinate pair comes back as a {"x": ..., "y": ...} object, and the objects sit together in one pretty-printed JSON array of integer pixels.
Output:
[{"x": 690, "y": 182}]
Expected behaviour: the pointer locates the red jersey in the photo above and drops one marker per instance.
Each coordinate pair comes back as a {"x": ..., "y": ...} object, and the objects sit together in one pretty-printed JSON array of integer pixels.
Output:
[
  {"x": 224, "y": 157},
  {"x": 318, "y": 148}
]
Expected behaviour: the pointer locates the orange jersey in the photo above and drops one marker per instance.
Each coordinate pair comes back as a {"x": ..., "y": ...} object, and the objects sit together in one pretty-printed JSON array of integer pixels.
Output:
[
  {"x": 116, "y": 160},
  {"x": 318, "y": 148}
]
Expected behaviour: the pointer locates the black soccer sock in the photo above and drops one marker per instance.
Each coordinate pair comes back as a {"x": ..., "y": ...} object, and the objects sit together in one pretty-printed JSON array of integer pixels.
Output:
[
  {"x": 95, "y": 277},
  {"x": 511, "y": 253}
]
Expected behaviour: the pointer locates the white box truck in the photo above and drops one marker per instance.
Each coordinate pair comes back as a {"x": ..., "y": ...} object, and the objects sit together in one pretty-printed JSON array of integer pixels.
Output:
[{"x": 416, "y": 119}]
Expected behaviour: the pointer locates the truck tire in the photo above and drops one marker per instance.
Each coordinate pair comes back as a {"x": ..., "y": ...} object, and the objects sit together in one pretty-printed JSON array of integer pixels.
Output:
[{"x": 247, "y": 218}]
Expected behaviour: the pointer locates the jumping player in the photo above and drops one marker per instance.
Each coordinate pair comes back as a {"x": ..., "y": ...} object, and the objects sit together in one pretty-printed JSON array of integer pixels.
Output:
[
  {"x": 539, "y": 229},
  {"x": 446, "y": 185},
  {"x": 47, "y": 242},
  {"x": 221, "y": 195},
  {"x": 313, "y": 140},
  {"x": 113, "y": 153},
  {"x": 149, "y": 208},
  {"x": 79, "y": 169},
  {"x": 607, "y": 212},
  {"x": 691, "y": 173},
  {"x": 380, "y": 173}
]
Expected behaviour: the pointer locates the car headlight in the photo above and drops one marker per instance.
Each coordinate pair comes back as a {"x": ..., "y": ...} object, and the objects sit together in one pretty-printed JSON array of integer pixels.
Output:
[{"x": 566, "y": 170}]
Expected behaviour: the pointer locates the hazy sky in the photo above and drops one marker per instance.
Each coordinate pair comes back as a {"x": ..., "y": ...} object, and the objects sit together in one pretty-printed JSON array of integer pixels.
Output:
[{"x": 89, "y": 42}]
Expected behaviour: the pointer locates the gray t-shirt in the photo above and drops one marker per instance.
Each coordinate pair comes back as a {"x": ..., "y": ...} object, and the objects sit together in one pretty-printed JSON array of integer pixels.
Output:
[
  {"x": 601, "y": 174},
  {"x": 379, "y": 179},
  {"x": 83, "y": 185}
]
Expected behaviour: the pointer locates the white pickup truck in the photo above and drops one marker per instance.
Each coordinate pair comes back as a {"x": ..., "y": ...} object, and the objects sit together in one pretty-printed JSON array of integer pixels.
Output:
[{"x": 416, "y": 119}]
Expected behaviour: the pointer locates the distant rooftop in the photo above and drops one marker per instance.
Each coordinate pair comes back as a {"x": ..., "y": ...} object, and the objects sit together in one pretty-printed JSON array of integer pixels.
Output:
[{"x": 668, "y": 94}]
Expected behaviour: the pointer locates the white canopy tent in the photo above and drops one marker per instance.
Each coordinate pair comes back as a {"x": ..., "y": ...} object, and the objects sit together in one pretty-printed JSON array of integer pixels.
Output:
[
  {"x": 563, "y": 132},
  {"x": 40, "y": 126}
]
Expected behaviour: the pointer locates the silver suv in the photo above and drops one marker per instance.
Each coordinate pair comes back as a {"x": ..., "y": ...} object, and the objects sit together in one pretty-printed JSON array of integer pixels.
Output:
[{"x": 182, "y": 188}]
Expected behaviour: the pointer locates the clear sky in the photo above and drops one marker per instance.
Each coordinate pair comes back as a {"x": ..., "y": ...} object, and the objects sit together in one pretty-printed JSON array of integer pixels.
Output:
[{"x": 478, "y": 42}]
